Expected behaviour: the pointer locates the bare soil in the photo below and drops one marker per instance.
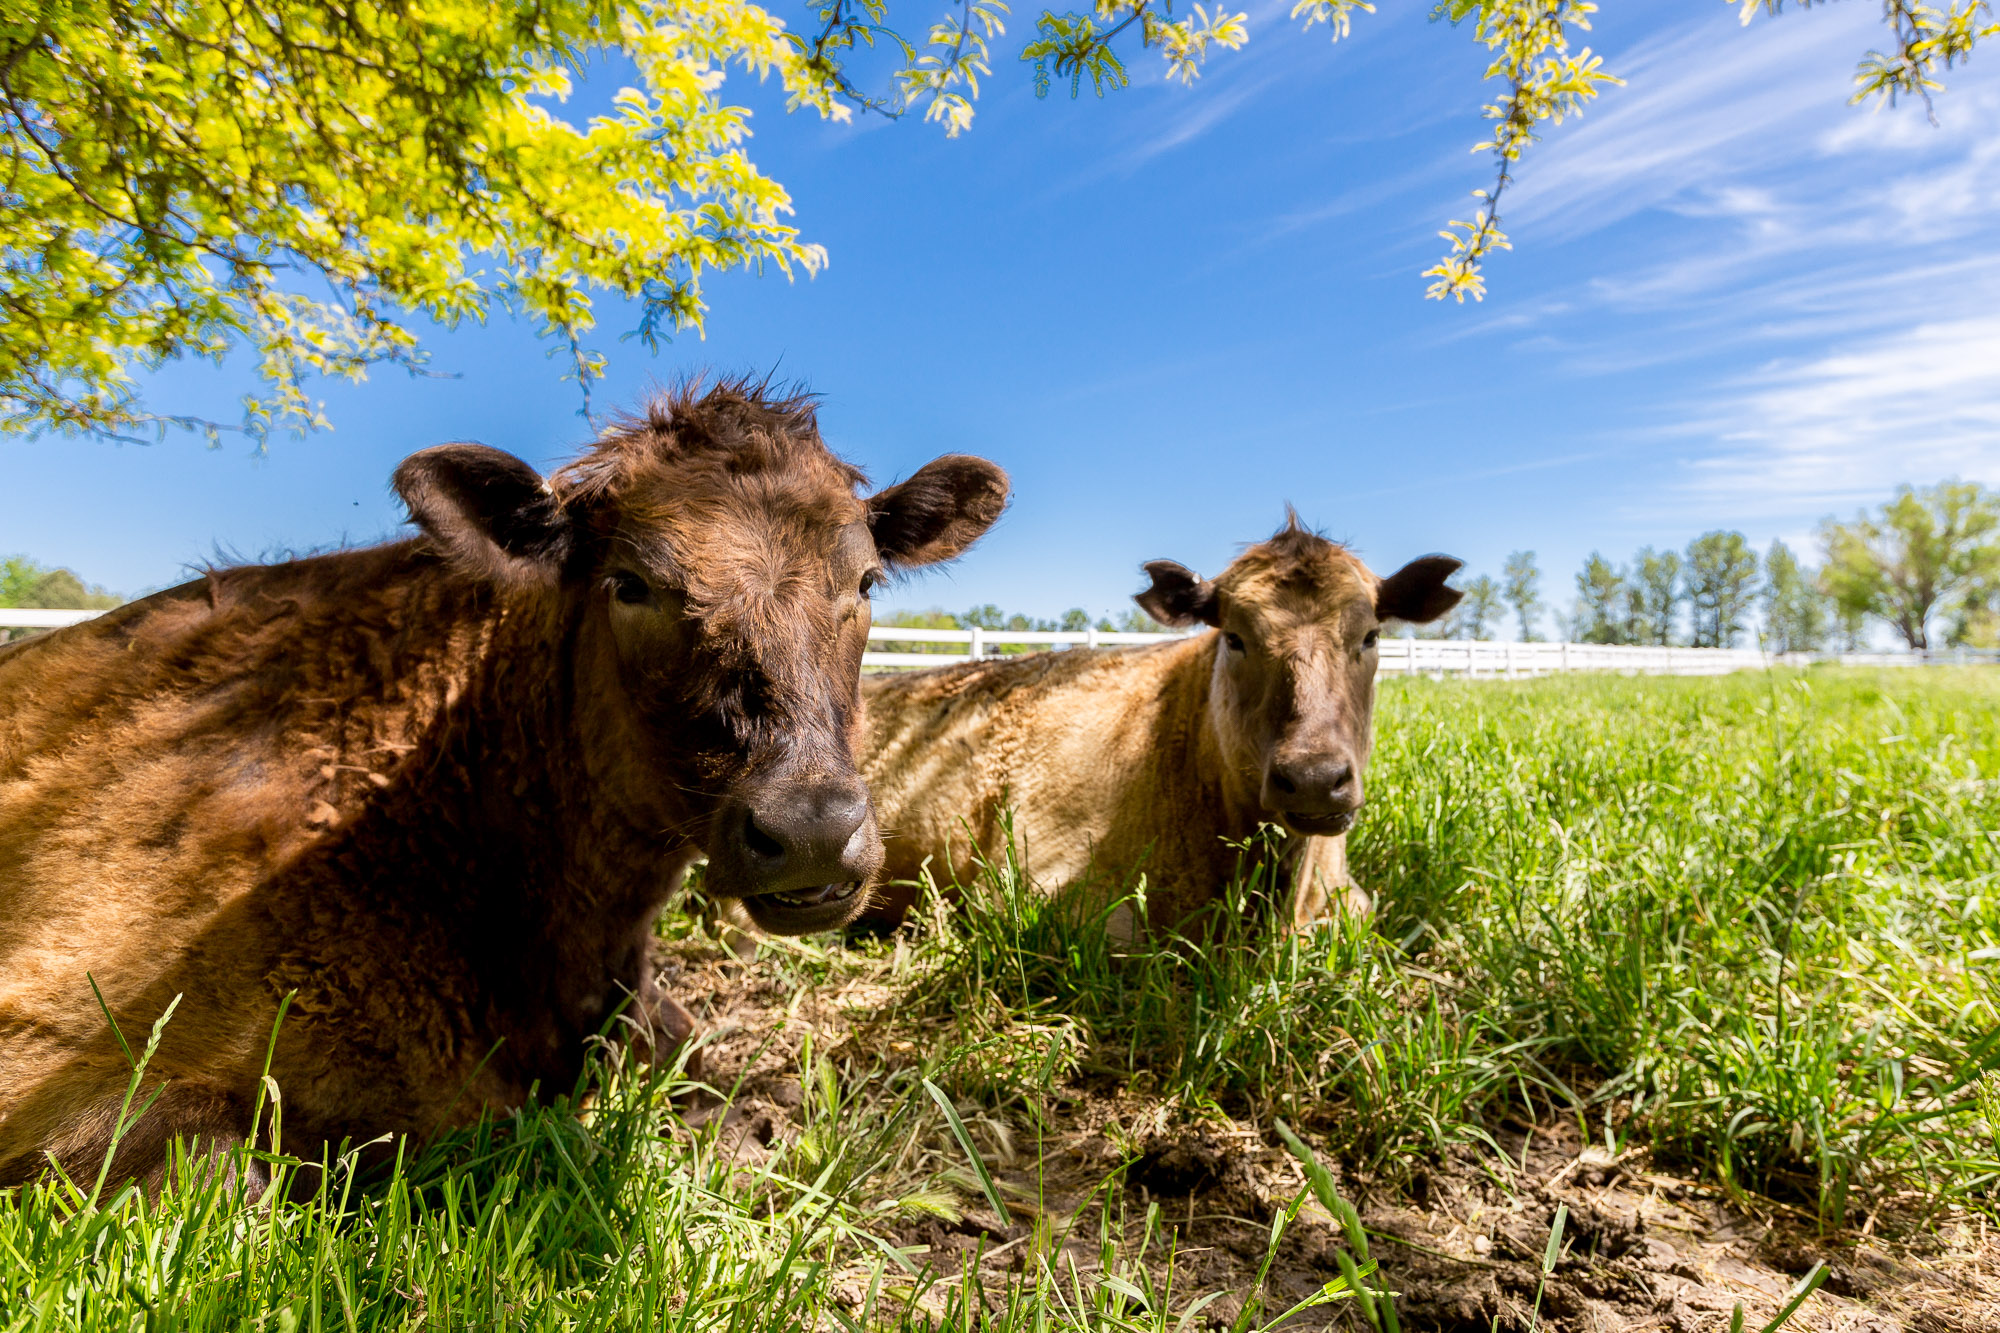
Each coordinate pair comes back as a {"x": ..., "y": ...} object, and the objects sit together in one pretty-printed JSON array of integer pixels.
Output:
[{"x": 1461, "y": 1240}]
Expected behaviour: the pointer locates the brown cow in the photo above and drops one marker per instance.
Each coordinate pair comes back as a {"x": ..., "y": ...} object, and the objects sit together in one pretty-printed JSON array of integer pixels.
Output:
[
  {"x": 1115, "y": 761},
  {"x": 436, "y": 790}
]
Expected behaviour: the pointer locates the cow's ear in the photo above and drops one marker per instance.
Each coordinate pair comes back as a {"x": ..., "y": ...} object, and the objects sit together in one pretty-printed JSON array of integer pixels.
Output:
[
  {"x": 945, "y": 507},
  {"x": 489, "y": 512},
  {"x": 1417, "y": 592},
  {"x": 1178, "y": 597}
]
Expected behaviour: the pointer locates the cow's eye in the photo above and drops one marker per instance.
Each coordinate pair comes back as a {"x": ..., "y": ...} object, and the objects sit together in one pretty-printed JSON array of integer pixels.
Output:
[
  {"x": 630, "y": 589},
  {"x": 868, "y": 582},
  {"x": 1234, "y": 641},
  {"x": 1368, "y": 639}
]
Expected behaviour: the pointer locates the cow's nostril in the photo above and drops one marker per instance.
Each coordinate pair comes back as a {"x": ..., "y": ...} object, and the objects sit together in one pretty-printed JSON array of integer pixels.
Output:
[
  {"x": 1343, "y": 777},
  {"x": 1283, "y": 783},
  {"x": 760, "y": 843}
]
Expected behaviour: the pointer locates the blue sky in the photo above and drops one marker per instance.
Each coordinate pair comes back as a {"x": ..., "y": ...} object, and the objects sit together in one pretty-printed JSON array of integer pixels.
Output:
[{"x": 1734, "y": 301}]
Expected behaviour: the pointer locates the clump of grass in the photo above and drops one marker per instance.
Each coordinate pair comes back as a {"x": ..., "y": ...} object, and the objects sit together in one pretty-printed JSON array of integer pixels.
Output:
[
  {"x": 543, "y": 1219},
  {"x": 576, "y": 1215},
  {"x": 1757, "y": 912},
  {"x": 1221, "y": 1011}
]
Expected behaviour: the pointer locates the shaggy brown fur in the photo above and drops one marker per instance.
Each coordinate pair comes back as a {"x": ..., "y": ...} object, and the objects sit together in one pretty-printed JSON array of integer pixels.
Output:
[
  {"x": 436, "y": 790},
  {"x": 1120, "y": 760}
]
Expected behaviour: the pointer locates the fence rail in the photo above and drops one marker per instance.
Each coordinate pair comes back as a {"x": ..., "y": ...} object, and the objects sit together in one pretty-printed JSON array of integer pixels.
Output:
[
  {"x": 1431, "y": 657},
  {"x": 1422, "y": 657},
  {"x": 1406, "y": 657},
  {"x": 21, "y": 618}
]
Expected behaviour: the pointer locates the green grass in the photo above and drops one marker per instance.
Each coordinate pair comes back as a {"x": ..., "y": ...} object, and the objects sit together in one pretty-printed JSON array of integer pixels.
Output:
[
  {"x": 1754, "y": 919},
  {"x": 618, "y": 1218},
  {"x": 1757, "y": 915},
  {"x": 1751, "y": 922}
]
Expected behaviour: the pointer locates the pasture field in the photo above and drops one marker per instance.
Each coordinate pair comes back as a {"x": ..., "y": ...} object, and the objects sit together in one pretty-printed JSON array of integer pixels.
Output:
[{"x": 1678, "y": 991}]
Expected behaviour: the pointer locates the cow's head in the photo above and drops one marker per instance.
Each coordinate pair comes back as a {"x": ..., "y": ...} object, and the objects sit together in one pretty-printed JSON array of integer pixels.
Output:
[
  {"x": 1293, "y": 691},
  {"x": 712, "y": 564}
]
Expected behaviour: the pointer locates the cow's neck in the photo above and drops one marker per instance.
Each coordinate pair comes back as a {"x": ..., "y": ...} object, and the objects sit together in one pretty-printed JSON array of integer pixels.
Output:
[
  {"x": 559, "y": 888},
  {"x": 588, "y": 855}
]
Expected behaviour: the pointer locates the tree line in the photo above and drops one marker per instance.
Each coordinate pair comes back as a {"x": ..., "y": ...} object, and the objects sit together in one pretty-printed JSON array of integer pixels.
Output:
[
  {"x": 30, "y": 586},
  {"x": 1930, "y": 552},
  {"x": 990, "y": 617}
]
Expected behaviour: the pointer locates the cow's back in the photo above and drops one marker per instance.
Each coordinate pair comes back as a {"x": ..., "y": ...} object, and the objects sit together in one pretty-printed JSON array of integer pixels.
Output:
[
  {"x": 231, "y": 719},
  {"x": 1097, "y": 755},
  {"x": 160, "y": 763}
]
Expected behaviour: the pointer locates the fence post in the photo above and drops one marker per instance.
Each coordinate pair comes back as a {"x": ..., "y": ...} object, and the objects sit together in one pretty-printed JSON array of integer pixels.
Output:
[
  {"x": 978, "y": 645},
  {"x": 1090, "y": 637},
  {"x": 1510, "y": 659},
  {"x": 1565, "y": 657}
]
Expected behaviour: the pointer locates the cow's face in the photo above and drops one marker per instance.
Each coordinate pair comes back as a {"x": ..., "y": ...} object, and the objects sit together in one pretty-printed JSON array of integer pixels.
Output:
[
  {"x": 714, "y": 565},
  {"x": 1293, "y": 690}
]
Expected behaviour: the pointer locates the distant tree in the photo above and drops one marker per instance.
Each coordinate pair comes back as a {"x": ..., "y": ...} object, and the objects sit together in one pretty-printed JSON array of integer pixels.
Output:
[
  {"x": 27, "y": 585},
  {"x": 935, "y": 618},
  {"x": 17, "y": 576},
  {"x": 1721, "y": 585},
  {"x": 1850, "y": 627},
  {"x": 1976, "y": 619},
  {"x": 1797, "y": 618},
  {"x": 1478, "y": 609},
  {"x": 988, "y": 616},
  {"x": 1135, "y": 621},
  {"x": 1916, "y": 553},
  {"x": 1076, "y": 618},
  {"x": 1656, "y": 595},
  {"x": 1603, "y": 603},
  {"x": 1473, "y": 618},
  {"x": 1523, "y": 591}
]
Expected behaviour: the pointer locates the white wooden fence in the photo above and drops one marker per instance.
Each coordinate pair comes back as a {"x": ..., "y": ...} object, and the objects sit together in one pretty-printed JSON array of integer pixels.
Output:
[
  {"x": 1422, "y": 657},
  {"x": 962, "y": 645},
  {"x": 1407, "y": 657},
  {"x": 13, "y": 618},
  {"x": 1435, "y": 657}
]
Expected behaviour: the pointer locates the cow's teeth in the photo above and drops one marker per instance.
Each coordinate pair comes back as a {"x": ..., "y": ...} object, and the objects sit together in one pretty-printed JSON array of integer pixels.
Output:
[{"x": 827, "y": 893}]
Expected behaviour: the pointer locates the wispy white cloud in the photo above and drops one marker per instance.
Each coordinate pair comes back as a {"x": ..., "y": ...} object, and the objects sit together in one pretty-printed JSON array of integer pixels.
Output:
[
  {"x": 1843, "y": 428},
  {"x": 1830, "y": 274},
  {"x": 1701, "y": 103},
  {"x": 1197, "y": 117}
]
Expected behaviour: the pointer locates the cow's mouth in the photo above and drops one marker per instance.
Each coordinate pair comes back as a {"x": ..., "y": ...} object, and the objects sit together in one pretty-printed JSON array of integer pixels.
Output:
[
  {"x": 803, "y": 911},
  {"x": 1323, "y": 826}
]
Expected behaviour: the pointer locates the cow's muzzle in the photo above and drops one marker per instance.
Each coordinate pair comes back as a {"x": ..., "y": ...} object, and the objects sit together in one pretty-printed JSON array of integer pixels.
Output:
[
  {"x": 797, "y": 853},
  {"x": 1313, "y": 793}
]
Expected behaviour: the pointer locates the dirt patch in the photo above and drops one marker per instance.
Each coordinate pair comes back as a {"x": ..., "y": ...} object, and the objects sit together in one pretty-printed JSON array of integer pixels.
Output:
[{"x": 1461, "y": 1240}]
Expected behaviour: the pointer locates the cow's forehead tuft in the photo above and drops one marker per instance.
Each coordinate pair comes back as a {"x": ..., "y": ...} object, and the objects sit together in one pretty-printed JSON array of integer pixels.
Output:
[
  {"x": 1298, "y": 572},
  {"x": 708, "y": 437}
]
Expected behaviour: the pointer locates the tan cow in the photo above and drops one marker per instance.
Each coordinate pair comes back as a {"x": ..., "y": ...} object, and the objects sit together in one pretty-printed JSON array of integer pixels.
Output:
[
  {"x": 435, "y": 791},
  {"x": 1115, "y": 761}
]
